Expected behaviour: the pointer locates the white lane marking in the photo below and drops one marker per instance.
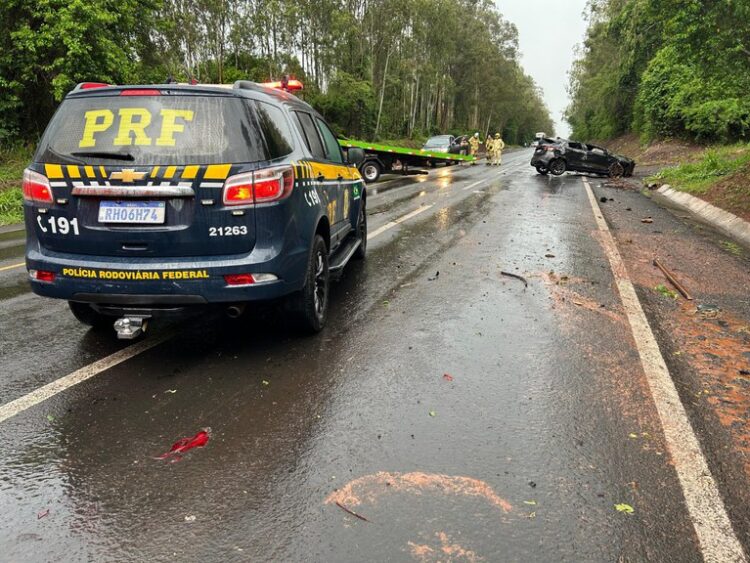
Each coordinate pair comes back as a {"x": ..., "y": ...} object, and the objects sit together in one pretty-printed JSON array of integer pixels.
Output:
[
  {"x": 710, "y": 520},
  {"x": 474, "y": 184},
  {"x": 391, "y": 224},
  {"x": 11, "y": 409},
  {"x": 12, "y": 266}
]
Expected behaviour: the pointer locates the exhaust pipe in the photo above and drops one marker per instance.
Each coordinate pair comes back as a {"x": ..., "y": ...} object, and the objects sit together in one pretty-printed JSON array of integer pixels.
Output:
[{"x": 235, "y": 311}]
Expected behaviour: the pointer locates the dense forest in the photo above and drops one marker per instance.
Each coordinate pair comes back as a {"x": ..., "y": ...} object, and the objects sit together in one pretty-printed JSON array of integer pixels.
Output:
[
  {"x": 664, "y": 68},
  {"x": 374, "y": 68}
]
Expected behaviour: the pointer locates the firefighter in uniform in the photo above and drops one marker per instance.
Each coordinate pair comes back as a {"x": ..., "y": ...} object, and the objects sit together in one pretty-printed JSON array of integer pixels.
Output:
[
  {"x": 474, "y": 146},
  {"x": 489, "y": 147},
  {"x": 497, "y": 150}
]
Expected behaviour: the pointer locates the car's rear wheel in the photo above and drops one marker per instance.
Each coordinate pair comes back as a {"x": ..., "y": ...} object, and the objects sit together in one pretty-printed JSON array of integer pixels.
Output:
[
  {"x": 310, "y": 305},
  {"x": 86, "y": 314},
  {"x": 616, "y": 170},
  {"x": 371, "y": 171},
  {"x": 542, "y": 169},
  {"x": 558, "y": 167},
  {"x": 362, "y": 232}
]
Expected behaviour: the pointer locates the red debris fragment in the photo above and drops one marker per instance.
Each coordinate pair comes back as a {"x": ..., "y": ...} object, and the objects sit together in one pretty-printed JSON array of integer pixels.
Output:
[
  {"x": 185, "y": 444},
  {"x": 42, "y": 514},
  {"x": 447, "y": 377}
]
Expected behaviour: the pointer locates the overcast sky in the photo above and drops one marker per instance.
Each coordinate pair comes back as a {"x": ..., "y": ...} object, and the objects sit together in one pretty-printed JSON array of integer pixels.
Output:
[{"x": 548, "y": 31}]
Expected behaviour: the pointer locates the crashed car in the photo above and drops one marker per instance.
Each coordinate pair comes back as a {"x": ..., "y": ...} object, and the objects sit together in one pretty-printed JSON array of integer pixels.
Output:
[{"x": 558, "y": 156}]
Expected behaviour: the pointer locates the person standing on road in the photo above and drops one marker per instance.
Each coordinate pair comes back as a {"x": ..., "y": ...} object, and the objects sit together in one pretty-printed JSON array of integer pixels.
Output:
[
  {"x": 497, "y": 150},
  {"x": 474, "y": 146},
  {"x": 489, "y": 147}
]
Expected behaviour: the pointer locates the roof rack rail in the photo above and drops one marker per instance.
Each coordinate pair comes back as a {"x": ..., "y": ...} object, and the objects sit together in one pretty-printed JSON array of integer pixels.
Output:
[{"x": 248, "y": 85}]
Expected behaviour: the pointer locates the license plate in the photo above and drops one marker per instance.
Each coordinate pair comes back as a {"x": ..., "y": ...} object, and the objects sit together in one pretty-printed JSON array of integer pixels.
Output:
[{"x": 148, "y": 212}]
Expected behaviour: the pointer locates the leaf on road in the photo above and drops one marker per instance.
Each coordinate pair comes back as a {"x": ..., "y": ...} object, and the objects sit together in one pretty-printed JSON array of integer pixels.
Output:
[
  {"x": 626, "y": 508},
  {"x": 264, "y": 382},
  {"x": 432, "y": 413},
  {"x": 171, "y": 391},
  {"x": 632, "y": 435},
  {"x": 530, "y": 502},
  {"x": 50, "y": 417}
]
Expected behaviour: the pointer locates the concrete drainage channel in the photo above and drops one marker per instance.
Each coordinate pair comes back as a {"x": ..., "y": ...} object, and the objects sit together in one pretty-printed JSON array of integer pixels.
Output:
[{"x": 704, "y": 212}]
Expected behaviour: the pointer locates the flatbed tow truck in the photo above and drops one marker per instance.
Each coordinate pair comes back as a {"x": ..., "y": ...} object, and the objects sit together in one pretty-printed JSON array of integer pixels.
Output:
[{"x": 387, "y": 158}]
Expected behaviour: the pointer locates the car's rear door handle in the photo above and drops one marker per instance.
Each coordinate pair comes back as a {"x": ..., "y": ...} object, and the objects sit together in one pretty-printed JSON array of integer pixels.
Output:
[{"x": 320, "y": 177}]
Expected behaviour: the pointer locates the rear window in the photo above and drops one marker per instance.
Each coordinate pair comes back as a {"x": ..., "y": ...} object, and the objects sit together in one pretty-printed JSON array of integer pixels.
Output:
[
  {"x": 437, "y": 142},
  {"x": 151, "y": 130}
]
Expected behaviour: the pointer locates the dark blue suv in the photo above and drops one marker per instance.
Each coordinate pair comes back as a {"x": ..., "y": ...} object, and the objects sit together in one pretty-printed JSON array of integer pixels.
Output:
[{"x": 148, "y": 200}]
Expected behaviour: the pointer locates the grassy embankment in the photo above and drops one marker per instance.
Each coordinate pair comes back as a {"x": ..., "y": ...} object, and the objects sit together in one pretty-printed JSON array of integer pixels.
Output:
[
  {"x": 719, "y": 175},
  {"x": 12, "y": 163}
]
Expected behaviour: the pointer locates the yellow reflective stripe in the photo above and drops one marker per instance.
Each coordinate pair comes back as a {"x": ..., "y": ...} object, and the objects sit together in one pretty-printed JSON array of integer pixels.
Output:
[
  {"x": 89, "y": 171},
  {"x": 154, "y": 171},
  {"x": 190, "y": 172},
  {"x": 103, "y": 171},
  {"x": 53, "y": 170},
  {"x": 217, "y": 171},
  {"x": 170, "y": 171},
  {"x": 73, "y": 171}
]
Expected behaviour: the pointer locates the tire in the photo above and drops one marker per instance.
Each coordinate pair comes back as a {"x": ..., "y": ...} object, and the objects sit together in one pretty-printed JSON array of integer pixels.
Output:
[
  {"x": 309, "y": 307},
  {"x": 616, "y": 170},
  {"x": 362, "y": 232},
  {"x": 558, "y": 167},
  {"x": 371, "y": 171},
  {"x": 542, "y": 170},
  {"x": 86, "y": 315}
]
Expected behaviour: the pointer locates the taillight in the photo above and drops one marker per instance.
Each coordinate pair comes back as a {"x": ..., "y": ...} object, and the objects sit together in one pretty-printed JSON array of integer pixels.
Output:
[
  {"x": 261, "y": 186},
  {"x": 36, "y": 187},
  {"x": 42, "y": 275},
  {"x": 91, "y": 85},
  {"x": 239, "y": 279},
  {"x": 548, "y": 148}
]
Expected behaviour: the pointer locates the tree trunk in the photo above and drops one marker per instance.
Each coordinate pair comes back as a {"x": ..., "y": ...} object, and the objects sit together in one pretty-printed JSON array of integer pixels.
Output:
[{"x": 382, "y": 93}]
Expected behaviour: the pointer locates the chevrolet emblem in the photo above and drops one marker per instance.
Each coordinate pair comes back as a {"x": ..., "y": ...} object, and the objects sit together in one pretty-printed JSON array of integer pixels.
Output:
[{"x": 127, "y": 175}]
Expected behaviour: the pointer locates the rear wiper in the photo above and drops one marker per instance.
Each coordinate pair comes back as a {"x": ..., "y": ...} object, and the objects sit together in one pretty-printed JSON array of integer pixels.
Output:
[{"x": 102, "y": 154}]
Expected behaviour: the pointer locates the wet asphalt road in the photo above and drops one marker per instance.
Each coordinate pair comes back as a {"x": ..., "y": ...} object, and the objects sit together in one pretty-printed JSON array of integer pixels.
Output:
[{"x": 465, "y": 416}]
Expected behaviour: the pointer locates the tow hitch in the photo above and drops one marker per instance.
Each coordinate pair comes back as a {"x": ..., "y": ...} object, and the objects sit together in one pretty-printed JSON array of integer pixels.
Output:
[{"x": 130, "y": 327}]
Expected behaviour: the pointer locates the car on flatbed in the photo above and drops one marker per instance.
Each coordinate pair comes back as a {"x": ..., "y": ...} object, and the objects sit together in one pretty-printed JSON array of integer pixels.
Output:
[
  {"x": 558, "y": 156},
  {"x": 153, "y": 200}
]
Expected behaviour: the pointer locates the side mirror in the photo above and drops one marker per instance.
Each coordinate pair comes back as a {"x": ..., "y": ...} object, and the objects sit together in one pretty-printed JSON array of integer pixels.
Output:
[{"x": 355, "y": 156}]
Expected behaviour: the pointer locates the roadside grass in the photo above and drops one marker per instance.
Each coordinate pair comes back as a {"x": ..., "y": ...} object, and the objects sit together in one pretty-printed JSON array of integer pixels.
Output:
[
  {"x": 697, "y": 177},
  {"x": 12, "y": 163},
  {"x": 11, "y": 206}
]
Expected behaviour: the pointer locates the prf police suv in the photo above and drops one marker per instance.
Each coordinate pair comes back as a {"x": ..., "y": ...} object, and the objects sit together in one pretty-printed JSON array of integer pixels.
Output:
[{"x": 147, "y": 200}]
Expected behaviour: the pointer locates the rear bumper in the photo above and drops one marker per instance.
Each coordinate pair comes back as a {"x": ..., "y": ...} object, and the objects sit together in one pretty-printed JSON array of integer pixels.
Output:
[
  {"x": 173, "y": 283},
  {"x": 542, "y": 159}
]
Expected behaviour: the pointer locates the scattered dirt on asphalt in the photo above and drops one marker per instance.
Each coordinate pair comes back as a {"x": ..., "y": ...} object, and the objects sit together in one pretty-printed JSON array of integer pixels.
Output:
[
  {"x": 564, "y": 296},
  {"x": 446, "y": 551},
  {"x": 715, "y": 343},
  {"x": 369, "y": 488}
]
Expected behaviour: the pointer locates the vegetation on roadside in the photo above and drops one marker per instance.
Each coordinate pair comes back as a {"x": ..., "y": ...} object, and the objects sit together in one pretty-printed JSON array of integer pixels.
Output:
[
  {"x": 11, "y": 206},
  {"x": 721, "y": 176},
  {"x": 698, "y": 177},
  {"x": 376, "y": 69},
  {"x": 12, "y": 163},
  {"x": 663, "y": 68}
]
